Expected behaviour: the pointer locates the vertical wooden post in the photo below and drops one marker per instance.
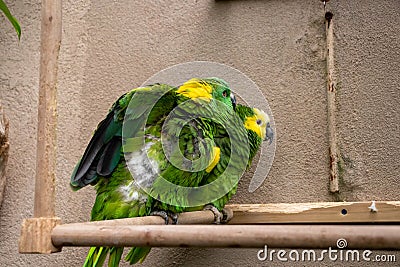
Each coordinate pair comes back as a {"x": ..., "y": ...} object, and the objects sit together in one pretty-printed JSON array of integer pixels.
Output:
[
  {"x": 331, "y": 94},
  {"x": 36, "y": 232},
  {"x": 47, "y": 109}
]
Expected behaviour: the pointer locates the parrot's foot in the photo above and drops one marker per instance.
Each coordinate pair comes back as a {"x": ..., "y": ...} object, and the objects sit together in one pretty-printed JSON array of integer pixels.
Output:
[
  {"x": 166, "y": 215},
  {"x": 227, "y": 215},
  {"x": 162, "y": 214},
  {"x": 174, "y": 217},
  {"x": 218, "y": 216}
]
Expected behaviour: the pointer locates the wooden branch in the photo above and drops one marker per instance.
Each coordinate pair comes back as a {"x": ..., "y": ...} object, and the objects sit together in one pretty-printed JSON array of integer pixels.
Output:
[
  {"x": 239, "y": 236},
  {"x": 331, "y": 95},
  {"x": 4, "y": 147},
  {"x": 47, "y": 114},
  {"x": 320, "y": 212},
  {"x": 194, "y": 217}
]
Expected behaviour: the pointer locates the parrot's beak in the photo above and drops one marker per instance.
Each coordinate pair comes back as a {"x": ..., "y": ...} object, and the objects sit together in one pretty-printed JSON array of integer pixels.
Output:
[
  {"x": 233, "y": 100},
  {"x": 269, "y": 134}
]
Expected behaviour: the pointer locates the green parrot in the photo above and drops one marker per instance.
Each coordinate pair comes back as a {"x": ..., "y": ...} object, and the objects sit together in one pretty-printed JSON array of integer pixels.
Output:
[
  {"x": 119, "y": 195},
  {"x": 102, "y": 154},
  {"x": 258, "y": 126}
]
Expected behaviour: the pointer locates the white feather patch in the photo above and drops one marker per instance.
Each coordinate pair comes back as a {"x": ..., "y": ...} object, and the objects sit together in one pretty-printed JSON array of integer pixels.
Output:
[
  {"x": 144, "y": 169},
  {"x": 131, "y": 192}
]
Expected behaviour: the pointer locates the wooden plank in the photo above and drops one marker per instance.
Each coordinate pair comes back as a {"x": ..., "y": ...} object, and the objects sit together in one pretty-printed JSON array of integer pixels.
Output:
[
  {"x": 320, "y": 212},
  {"x": 278, "y": 213},
  {"x": 36, "y": 235},
  {"x": 47, "y": 112},
  {"x": 239, "y": 236}
]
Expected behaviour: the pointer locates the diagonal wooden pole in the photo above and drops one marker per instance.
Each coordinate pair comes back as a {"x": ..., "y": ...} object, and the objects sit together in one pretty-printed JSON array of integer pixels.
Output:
[{"x": 35, "y": 232}]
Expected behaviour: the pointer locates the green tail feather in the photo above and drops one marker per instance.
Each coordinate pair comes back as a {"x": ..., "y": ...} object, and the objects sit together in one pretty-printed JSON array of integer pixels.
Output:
[
  {"x": 137, "y": 254},
  {"x": 115, "y": 256},
  {"x": 90, "y": 256},
  {"x": 96, "y": 257}
]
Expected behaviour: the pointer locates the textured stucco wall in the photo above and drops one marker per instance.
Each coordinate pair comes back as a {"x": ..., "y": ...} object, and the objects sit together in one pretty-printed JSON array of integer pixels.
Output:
[{"x": 108, "y": 49}]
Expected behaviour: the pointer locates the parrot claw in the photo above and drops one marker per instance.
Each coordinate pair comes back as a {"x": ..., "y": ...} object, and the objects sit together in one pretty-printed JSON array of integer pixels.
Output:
[
  {"x": 227, "y": 215},
  {"x": 218, "y": 216},
  {"x": 174, "y": 217},
  {"x": 162, "y": 214},
  {"x": 166, "y": 215}
]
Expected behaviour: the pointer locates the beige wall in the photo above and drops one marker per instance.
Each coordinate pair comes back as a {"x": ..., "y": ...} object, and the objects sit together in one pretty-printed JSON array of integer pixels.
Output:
[{"x": 108, "y": 49}]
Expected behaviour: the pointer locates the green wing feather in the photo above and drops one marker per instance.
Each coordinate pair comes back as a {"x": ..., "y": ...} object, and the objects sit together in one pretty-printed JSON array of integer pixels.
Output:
[{"x": 86, "y": 170}]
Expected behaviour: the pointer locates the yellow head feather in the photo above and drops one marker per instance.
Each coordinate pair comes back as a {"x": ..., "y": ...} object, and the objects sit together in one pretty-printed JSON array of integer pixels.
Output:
[
  {"x": 195, "y": 88},
  {"x": 258, "y": 123}
]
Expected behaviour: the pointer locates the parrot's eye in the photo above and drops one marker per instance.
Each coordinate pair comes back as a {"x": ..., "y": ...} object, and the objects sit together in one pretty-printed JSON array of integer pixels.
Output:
[
  {"x": 225, "y": 94},
  {"x": 259, "y": 122}
]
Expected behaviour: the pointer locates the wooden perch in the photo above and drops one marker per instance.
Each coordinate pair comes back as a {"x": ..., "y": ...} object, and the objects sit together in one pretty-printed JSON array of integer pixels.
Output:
[
  {"x": 133, "y": 232},
  {"x": 119, "y": 232},
  {"x": 194, "y": 217},
  {"x": 238, "y": 236}
]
